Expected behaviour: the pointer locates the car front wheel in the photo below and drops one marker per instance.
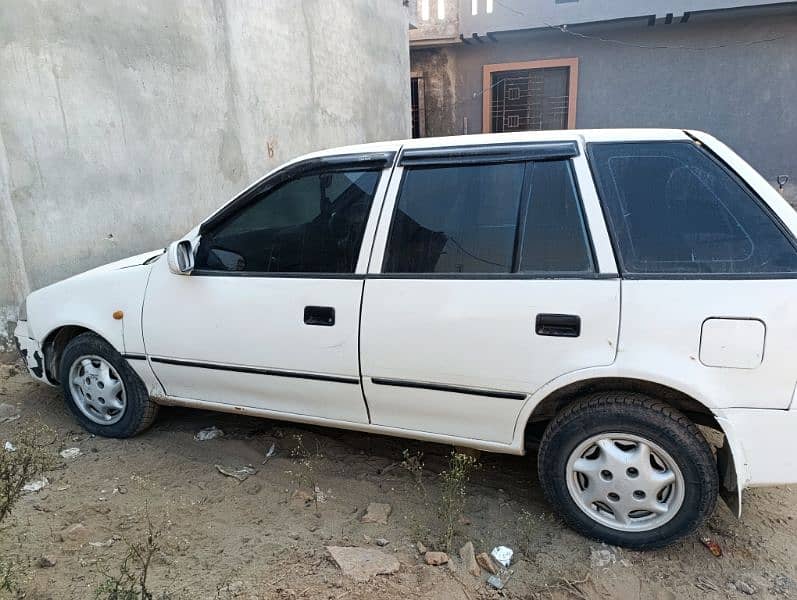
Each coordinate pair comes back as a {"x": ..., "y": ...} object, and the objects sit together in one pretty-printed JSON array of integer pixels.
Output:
[
  {"x": 628, "y": 470},
  {"x": 106, "y": 396}
]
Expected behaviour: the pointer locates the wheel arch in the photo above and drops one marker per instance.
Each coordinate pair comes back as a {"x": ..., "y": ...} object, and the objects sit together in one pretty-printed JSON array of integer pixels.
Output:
[
  {"x": 729, "y": 456},
  {"x": 54, "y": 343},
  {"x": 557, "y": 399}
]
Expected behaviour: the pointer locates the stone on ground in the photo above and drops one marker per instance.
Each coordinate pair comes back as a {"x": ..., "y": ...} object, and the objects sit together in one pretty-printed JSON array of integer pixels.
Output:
[
  {"x": 436, "y": 558},
  {"x": 74, "y": 533},
  {"x": 377, "y": 513},
  {"x": 468, "y": 556},
  {"x": 361, "y": 564},
  {"x": 486, "y": 562}
]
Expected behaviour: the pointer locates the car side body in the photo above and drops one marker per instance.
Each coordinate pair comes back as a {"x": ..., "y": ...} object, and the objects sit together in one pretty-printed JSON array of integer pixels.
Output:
[{"x": 481, "y": 359}]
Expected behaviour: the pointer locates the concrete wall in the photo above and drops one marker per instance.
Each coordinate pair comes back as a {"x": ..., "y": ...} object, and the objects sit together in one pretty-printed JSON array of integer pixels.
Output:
[
  {"x": 744, "y": 94},
  {"x": 509, "y": 15},
  {"x": 428, "y": 26},
  {"x": 123, "y": 123}
]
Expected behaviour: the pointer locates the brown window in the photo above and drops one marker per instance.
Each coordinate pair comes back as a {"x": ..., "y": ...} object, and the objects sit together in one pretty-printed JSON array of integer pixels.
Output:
[{"x": 530, "y": 96}]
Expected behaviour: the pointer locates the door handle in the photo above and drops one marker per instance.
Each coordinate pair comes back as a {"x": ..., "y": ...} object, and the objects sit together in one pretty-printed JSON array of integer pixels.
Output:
[
  {"x": 319, "y": 315},
  {"x": 558, "y": 325}
]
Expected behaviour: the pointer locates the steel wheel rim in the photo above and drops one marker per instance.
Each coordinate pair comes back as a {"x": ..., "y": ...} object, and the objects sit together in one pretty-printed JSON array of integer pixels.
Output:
[
  {"x": 97, "y": 390},
  {"x": 625, "y": 482}
]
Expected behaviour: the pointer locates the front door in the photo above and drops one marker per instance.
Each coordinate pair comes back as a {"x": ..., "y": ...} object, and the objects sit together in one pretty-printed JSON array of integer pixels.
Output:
[
  {"x": 270, "y": 316},
  {"x": 488, "y": 289}
]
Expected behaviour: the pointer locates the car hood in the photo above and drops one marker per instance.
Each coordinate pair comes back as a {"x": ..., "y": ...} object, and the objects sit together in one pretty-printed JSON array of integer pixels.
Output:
[
  {"x": 131, "y": 261},
  {"x": 89, "y": 299}
]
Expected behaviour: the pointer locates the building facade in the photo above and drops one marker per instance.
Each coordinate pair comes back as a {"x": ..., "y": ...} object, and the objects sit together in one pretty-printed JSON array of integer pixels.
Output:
[
  {"x": 728, "y": 68},
  {"x": 123, "y": 124}
]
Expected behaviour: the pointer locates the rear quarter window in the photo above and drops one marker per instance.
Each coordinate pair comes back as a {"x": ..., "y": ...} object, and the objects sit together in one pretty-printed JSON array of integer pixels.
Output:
[{"x": 674, "y": 209}]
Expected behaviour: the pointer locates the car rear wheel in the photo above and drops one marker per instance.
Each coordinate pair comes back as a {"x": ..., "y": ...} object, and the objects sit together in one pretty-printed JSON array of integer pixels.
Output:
[
  {"x": 106, "y": 396},
  {"x": 628, "y": 470}
]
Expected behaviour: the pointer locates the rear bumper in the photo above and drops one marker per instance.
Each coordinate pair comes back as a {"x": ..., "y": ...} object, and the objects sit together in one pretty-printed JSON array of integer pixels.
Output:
[
  {"x": 30, "y": 351},
  {"x": 763, "y": 444}
]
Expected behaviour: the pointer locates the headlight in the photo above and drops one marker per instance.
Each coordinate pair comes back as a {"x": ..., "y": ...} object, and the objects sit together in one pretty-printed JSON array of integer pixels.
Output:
[{"x": 23, "y": 310}]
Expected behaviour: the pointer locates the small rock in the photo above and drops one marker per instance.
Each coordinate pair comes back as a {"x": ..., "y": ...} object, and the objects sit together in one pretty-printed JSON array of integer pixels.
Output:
[
  {"x": 601, "y": 557},
  {"x": 486, "y": 563},
  {"x": 468, "y": 556},
  {"x": 236, "y": 588},
  {"x": 745, "y": 588},
  {"x": 363, "y": 563},
  {"x": 45, "y": 562},
  {"x": 377, "y": 513},
  {"x": 303, "y": 496},
  {"x": 435, "y": 558},
  {"x": 421, "y": 548},
  {"x": 784, "y": 584},
  {"x": 70, "y": 453},
  {"x": 74, "y": 533},
  {"x": 208, "y": 433},
  {"x": 9, "y": 447},
  {"x": 381, "y": 542}
]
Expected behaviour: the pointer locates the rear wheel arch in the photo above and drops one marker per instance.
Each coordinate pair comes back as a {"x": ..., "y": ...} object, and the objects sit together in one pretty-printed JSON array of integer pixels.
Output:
[
  {"x": 695, "y": 410},
  {"x": 557, "y": 400}
]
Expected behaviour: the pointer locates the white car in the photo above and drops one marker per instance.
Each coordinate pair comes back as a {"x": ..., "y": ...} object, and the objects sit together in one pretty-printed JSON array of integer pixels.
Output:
[{"x": 600, "y": 292}]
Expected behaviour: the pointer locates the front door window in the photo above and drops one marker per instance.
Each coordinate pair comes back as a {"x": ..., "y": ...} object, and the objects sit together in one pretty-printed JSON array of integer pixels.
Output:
[{"x": 311, "y": 224}]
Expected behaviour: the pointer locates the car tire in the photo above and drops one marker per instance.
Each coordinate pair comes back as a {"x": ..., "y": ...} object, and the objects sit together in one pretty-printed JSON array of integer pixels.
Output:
[
  {"x": 104, "y": 393},
  {"x": 605, "y": 463}
]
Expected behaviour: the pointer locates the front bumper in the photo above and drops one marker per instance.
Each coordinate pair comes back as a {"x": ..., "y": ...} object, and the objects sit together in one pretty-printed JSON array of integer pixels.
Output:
[{"x": 30, "y": 350}]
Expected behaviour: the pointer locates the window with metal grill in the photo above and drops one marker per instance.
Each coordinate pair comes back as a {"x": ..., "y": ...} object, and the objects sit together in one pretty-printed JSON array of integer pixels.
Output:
[{"x": 530, "y": 99}]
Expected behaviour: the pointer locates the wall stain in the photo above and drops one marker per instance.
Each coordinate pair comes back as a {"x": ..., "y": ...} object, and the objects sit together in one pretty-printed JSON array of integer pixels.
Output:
[{"x": 60, "y": 99}]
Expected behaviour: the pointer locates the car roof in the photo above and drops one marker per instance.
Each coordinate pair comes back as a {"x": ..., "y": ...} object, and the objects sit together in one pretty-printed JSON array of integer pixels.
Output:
[{"x": 584, "y": 135}]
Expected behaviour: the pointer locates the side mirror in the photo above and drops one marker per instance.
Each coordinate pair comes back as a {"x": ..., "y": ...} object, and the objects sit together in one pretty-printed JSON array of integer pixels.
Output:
[{"x": 181, "y": 257}]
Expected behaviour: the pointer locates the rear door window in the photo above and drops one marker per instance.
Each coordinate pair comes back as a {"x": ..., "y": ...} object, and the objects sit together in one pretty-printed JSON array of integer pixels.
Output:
[
  {"x": 456, "y": 220},
  {"x": 674, "y": 209},
  {"x": 489, "y": 219}
]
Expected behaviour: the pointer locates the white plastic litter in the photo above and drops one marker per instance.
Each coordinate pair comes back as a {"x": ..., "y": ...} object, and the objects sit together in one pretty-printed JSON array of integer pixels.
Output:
[
  {"x": 241, "y": 473},
  {"x": 9, "y": 447},
  {"x": 502, "y": 555},
  {"x": 35, "y": 486},
  {"x": 70, "y": 453},
  {"x": 269, "y": 454},
  {"x": 208, "y": 433}
]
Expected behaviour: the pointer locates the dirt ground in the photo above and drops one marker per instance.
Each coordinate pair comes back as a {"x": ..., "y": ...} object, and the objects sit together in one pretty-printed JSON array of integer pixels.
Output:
[{"x": 260, "y": 538}]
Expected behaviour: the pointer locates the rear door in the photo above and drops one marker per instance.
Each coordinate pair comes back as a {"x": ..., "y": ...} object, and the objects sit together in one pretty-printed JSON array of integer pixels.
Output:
[{"x": 484, "y": 285}]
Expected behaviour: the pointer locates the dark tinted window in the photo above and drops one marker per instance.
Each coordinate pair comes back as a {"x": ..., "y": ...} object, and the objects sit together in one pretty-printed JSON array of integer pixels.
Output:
[
  {"x": 312, "y": 224},
  {"x": 675, "y": 210},
  {"x": 455, "y": 220},
  {"x": 554, "y": 235}
]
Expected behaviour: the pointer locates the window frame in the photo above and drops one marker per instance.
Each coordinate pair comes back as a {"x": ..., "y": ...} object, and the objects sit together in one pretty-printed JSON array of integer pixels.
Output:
[
  {"x": 572, "y": 85},
  {"x": 723, "y": 166},
  {"x": 371, "y": 161},
  {"x": 564, "y": 151}
]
